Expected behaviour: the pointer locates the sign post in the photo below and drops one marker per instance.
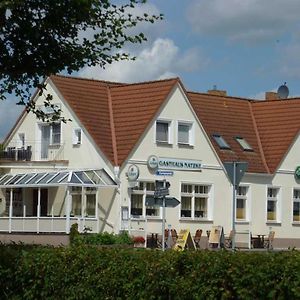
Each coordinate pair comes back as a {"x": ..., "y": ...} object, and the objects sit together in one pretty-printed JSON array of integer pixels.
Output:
[{"x": 235, "y": 171}]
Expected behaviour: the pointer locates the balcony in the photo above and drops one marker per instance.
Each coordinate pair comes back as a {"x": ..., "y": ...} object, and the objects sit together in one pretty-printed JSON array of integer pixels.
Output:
[{"x": 32, "y": 151}]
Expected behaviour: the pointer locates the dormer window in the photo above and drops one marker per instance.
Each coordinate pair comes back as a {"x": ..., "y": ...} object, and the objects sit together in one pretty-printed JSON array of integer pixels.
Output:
[
  {"x": 243, "y": 143},
  {"x": 221, "y": 141}
]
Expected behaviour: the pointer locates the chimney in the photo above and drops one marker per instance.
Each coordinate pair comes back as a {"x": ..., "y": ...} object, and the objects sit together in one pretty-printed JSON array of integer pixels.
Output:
[
  {"x": 271, "y": 96},
  {"x": 217, "y": 92}
]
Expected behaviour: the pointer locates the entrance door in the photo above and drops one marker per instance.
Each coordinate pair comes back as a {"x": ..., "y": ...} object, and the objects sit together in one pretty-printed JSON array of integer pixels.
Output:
[
  {"x": 45, "y": 141},
  {"x": 43, "y": 202}
]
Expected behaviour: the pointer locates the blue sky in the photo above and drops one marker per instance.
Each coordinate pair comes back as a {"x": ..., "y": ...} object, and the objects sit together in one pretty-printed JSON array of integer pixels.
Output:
[{"x": 246, "y": 47}]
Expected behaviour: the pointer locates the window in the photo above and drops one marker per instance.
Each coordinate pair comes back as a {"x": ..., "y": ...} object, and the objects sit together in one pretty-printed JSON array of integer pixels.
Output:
[
  {"x": 56, "y": 133},
  {"x": 138, "y": 198},
  {"x": 221, "y": 141},
  {"x": 163, "y": 132},
  {"x": 241, "y": 203},
  {"x": 77, "y": 136},
  {"x": 272, "y": 204},
  {"x": 185, "y": 133},
  {"x": 21, "y": 140},
  {"x": 296, "y": 205},
  {"x": 89, "y": 202},
  {"x": 244, "y": 144},
  {"x": 194, "y": 201}
]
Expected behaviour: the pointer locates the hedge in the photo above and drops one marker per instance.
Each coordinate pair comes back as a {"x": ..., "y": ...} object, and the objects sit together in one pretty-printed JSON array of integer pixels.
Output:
[{"x": 89, "y": 272}]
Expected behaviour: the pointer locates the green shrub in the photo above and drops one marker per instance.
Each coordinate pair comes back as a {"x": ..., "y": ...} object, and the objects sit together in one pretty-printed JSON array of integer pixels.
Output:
[{"x": 87, "y": 272}]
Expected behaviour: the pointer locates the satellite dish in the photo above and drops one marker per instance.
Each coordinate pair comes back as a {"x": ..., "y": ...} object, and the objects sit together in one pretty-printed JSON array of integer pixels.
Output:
[{"x": 283, "y": 91}]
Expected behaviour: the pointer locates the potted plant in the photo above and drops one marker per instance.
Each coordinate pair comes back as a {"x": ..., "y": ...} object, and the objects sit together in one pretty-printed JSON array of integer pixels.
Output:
[{"x": 139, "y": 241}]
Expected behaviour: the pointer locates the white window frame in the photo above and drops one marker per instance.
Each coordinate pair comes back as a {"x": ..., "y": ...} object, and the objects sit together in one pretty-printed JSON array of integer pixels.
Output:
[
  {"x": 76, "y": 140},
  {"x": 278, "y": 204},
  {"x": 51, "y": 134},
  {"x": 295, "y": 200},
  {"x": 21, "y": 140},
  {"x": 191, "y": 134},
  {"x": 170, "y": 132},
  {"x": 247, "y": 206},
  {"x": 144, "y": 192},
  {"x": 194, "y": 195}
]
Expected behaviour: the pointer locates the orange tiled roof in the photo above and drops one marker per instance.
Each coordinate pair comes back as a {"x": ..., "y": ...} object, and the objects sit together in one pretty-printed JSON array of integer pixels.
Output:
[{"x": 116, "y": 116}]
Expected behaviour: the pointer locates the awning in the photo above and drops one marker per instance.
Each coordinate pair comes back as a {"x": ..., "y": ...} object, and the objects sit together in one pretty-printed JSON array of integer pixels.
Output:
[{"x": 83, "y": 178}]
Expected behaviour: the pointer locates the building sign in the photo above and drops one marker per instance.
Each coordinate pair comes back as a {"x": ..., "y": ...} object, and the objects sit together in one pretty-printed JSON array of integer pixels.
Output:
[
  {"x": 133, "y": 173},
  {"x": 155, "y": 162},
  {"x": 164, "y": 173},
  {"x": 297, "y": 172}
]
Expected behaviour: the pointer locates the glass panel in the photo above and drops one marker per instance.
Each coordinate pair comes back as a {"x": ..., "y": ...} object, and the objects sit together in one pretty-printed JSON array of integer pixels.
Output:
[
  {"x": 200, "y": 207},
  {"x": 150, "y": 186},
  {"x": 4, "y": 178},
  {"x": 83, "y": 177},
  {"x": 91, "y": 205},
  {"x": 244, "y": 144},
  {"x": 240, "y": 209},
  {"x": 186, "y": 188},
  {"x": 162, "y": 132},
  {"x": 58, "y": 177},
  {"x": 221, "y": 142},
  {"x": 183, "y": 133},
  {"x": 186, "y": 207},
  {"x": 136, "y": 205},
  {"x": 15, "y": 179},
  {"x": 296, "y": 212},
  {"x": 105, "y": 177},
  {"x": 271, "y": 215},
  {"x": 36, "y": 178},
  {"x": 26, "y": 178},
  {"x": 94, "y": 177},
  {"x": 242, "y": 191},
  {"x": 56, "y": 129},
  {"x": 76, "y": 205},
  {"x": 47, "y": 177},
  {"x": 272, "y": 193},
  {"x": 74, "y": 179},
  {"x": 296, "y": 194}
]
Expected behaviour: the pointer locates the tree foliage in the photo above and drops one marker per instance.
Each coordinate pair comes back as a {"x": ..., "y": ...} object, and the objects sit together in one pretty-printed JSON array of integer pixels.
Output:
[{"x": 43, "y": 37}]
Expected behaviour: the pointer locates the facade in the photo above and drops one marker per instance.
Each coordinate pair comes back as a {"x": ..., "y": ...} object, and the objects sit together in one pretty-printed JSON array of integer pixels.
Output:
[{"x": 98, "y": 170}]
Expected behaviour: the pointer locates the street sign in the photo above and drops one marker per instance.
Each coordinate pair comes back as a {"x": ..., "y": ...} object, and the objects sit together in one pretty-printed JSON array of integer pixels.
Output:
[
  {"x": 164, "y": 173},
  {"x": 169, "y": 201},
  {"x": 240, "y": 169},
  {"x": 161, "y": 193}
]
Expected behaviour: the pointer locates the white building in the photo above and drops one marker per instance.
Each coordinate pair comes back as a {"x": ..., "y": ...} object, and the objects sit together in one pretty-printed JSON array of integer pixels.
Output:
[{"x": 54, "y": 175}]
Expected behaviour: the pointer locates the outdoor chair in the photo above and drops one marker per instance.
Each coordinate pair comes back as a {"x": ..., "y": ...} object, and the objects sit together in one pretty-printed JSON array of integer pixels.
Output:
[
  {"x": 268, "y": 242},
  {"x": 228, "y": 240},
  {"x": 197, "y": 238}
]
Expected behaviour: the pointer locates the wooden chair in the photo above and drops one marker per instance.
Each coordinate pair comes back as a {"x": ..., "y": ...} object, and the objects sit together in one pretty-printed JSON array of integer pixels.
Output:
[
  {"x": 268, "y": 242},
  {"x": 197, "y": 238},
  {"x": 228, "y": 240}
]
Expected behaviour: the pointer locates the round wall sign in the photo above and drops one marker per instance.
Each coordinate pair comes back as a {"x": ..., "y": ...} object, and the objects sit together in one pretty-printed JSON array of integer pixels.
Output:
[
  {"x": 152, "y": 162},
  {"x": 297, "y": 172},
  {"x": 133, "y": 173}
]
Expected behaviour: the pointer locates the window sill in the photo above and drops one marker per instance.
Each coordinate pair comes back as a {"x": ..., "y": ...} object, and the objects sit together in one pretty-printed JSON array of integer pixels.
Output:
[
  {"x": 246, "y": 222},
  {"x": 76, "y": 145},
  {"x": 196, "y": 220},
  {"x": 164, "y": 143},
  {"x": 273, "y": 223},
  {"x": 183, "y": 145},
  {"x": 296, "y": 223},
  {"x": 54, "y": 145}
]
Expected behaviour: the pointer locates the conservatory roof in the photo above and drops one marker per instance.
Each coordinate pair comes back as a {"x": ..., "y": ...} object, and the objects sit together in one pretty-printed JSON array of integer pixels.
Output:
[{"x": 84, "y": 178}]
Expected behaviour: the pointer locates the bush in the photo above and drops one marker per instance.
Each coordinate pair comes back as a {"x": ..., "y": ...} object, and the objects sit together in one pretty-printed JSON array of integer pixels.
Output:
[{"x": 86, "y": 272}]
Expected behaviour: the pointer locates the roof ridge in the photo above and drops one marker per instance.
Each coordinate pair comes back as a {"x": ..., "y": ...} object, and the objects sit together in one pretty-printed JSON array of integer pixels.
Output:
[
  {"x": 221, "y": 96},
  {"x": 260, "y": 147},
  {"x": 147, "y": 82},
  {"x": 112, "y": 126},
  {"x": 88, "y": 79}
]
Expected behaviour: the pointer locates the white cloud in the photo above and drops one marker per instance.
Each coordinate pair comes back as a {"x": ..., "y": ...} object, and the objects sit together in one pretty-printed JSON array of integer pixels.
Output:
[
  {"x": 160, "y": 60},
  {"x": 247, "y": 20},
  {"x": 9, "y": 112}
]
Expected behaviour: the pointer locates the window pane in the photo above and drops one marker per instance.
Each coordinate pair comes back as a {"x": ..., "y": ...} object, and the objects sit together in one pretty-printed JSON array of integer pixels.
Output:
[
  {"x": 76, "y": 205},
  {"x": 91, "y": 205},
  {"x": 152, "y": 211},
  {"x": 296, "y": 194},
  {"x": 200, "y": 207},
  {"x": 162, "y": 132},
  {"x": 183, "y": 133},
  {"x": 150, "y": 186},
  {"x": 136, "y": 205},
  {"x": 271, "y": 215},
  {"x": 186, "y": 207},
  {"x": 56, "y": 133},
  {"x": 244, "y": 144},
  {"x": 221, "y": 142},
  {"x": 241, "y": 209},
  {"x": 186, "y": 188},
  {"x": 296, "y": 212}
]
